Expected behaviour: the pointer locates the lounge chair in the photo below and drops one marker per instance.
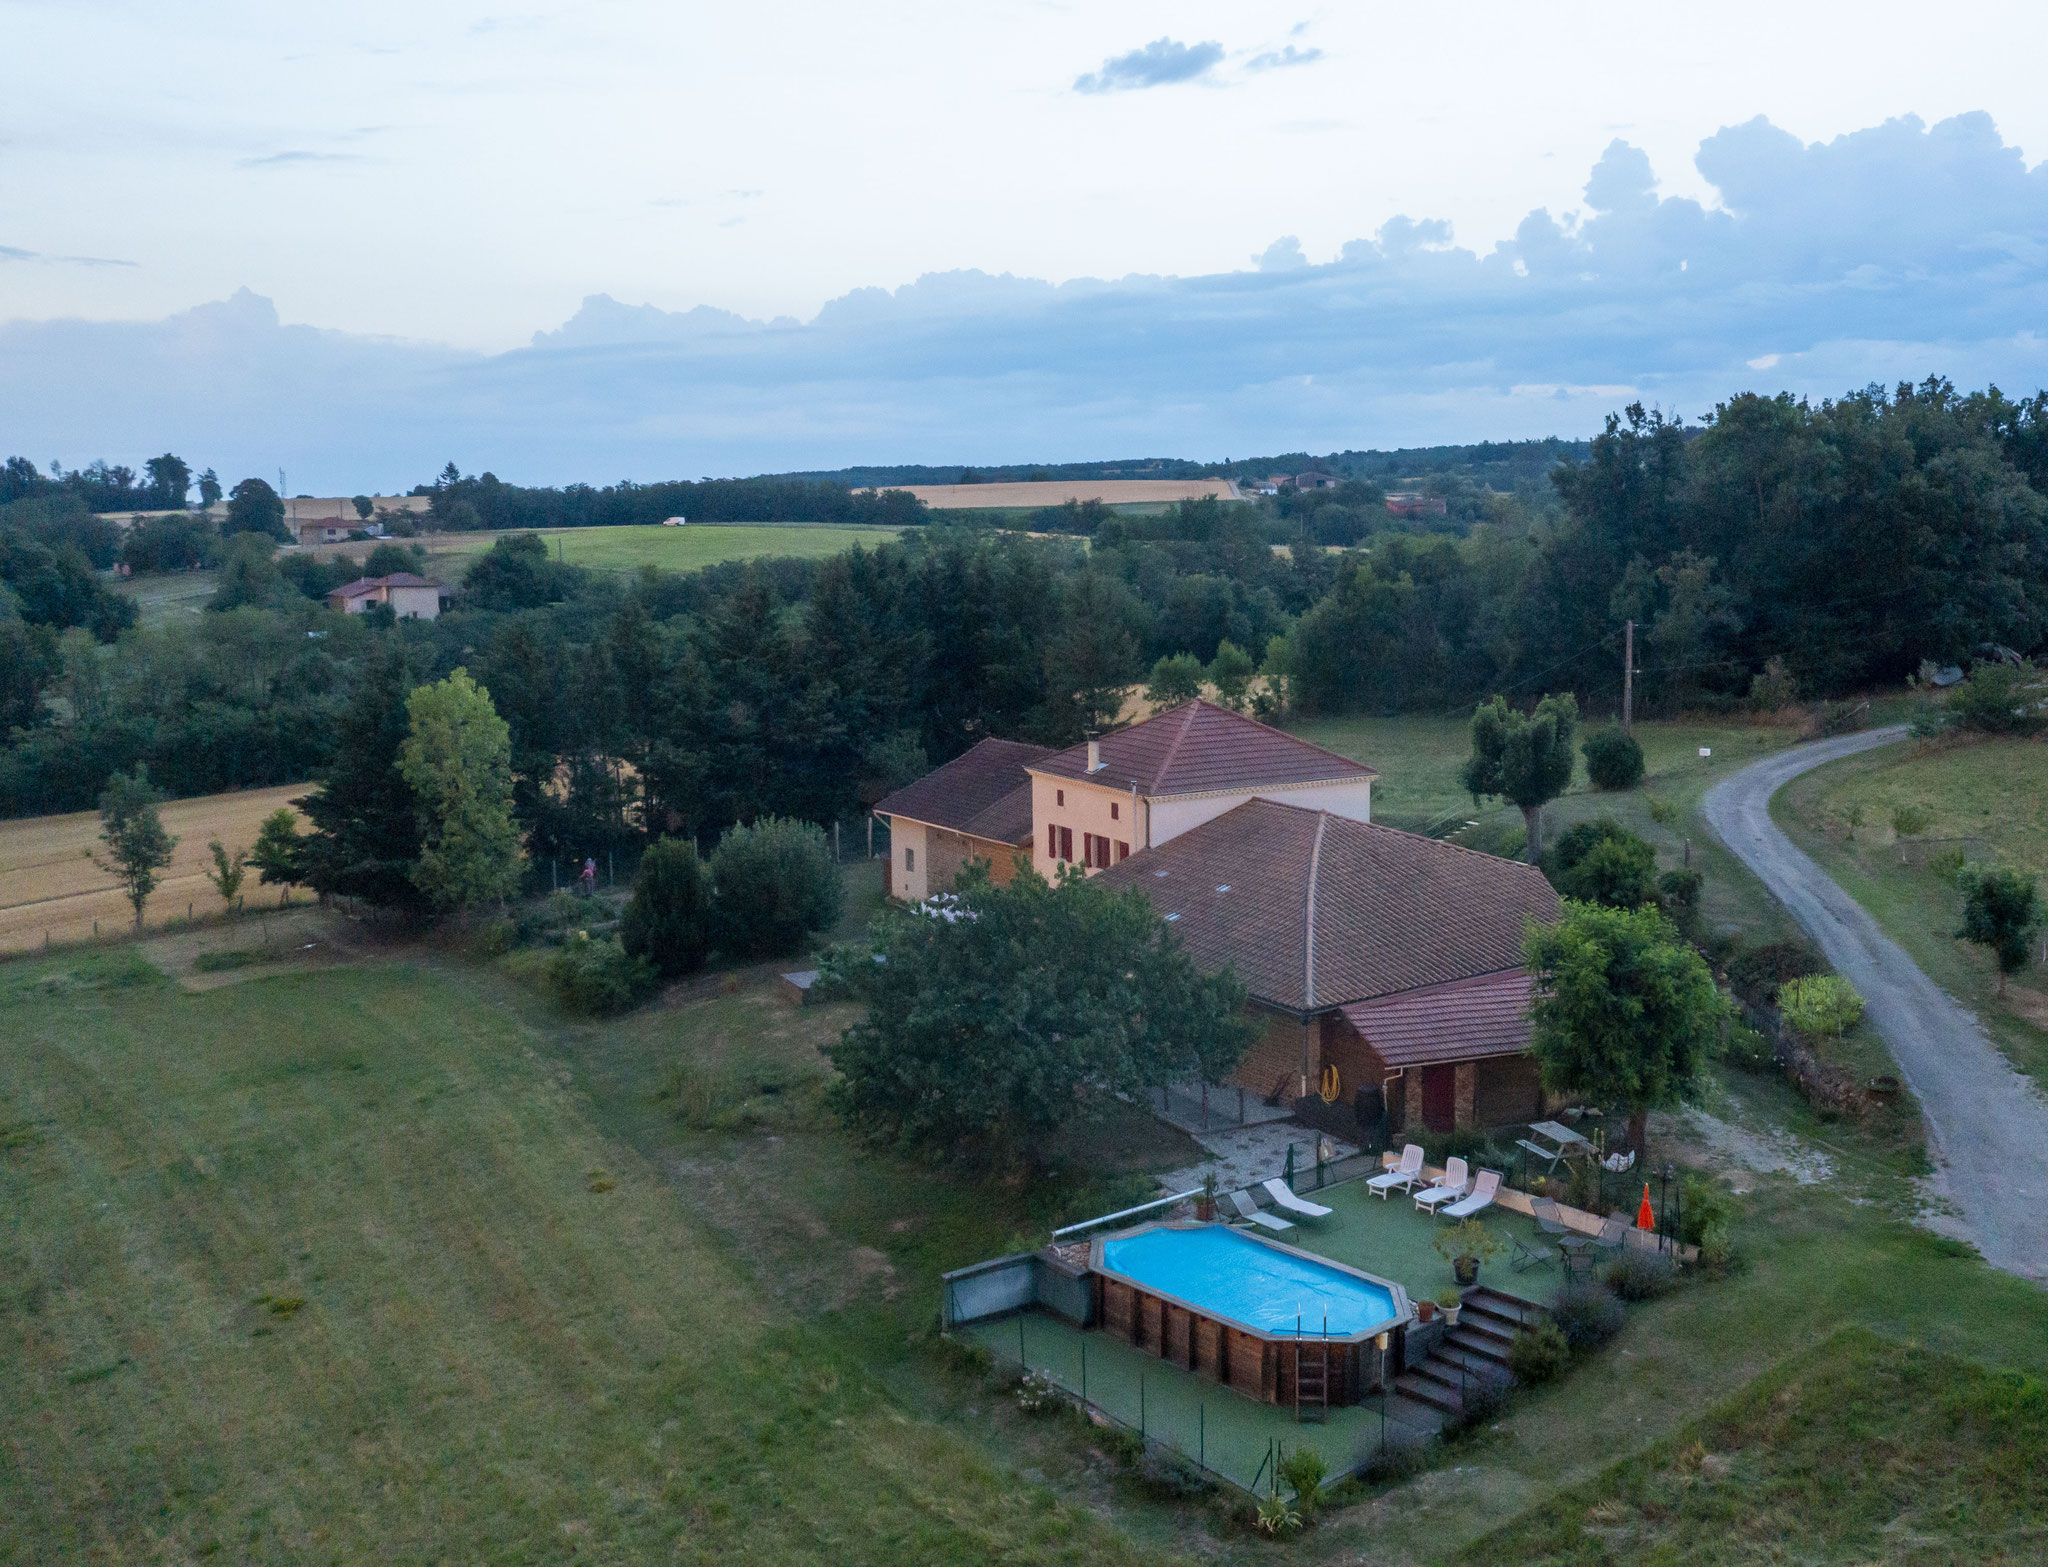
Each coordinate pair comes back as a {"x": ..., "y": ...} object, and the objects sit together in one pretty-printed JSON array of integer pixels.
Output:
[
  {"x": 1482, "y": 1197},
  {"x": 1455, "y": 1184},
  {"x": 1403, "y": 1176},
  {"x": 1524, "y": 1257},
  {"x": 1283, "y": 1197},
  {"x": 1252, "y": 1213},
  {"x": 1613, "y": 1232},
  {"x": 1551, "y": 1222}
]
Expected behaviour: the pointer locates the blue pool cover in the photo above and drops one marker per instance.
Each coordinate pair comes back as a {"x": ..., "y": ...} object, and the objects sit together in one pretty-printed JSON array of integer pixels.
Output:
[{"x": 1223, "y": 1273}]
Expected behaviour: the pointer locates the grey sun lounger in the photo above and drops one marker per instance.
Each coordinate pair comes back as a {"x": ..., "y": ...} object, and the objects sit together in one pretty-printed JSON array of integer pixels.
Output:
[
  {"x": 1252, "y": 1213},
  {"x": 1283, "y": 1197}
]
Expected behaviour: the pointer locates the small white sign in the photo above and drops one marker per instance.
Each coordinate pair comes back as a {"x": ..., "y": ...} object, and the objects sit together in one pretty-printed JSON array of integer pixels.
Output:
[{"x": 1706, "y": 750}]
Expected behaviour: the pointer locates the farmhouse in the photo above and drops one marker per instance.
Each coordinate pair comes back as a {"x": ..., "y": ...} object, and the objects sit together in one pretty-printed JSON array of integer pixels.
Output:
[
  {"x": 410, "y": 597},
  {"x": 976, "y": 807},
  {"x": 1393, "y": 958}
]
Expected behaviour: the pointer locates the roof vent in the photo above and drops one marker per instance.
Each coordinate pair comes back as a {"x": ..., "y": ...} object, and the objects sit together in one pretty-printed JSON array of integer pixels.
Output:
[
  {"x": 1172, "y": 917},
  {"x": 1094, "y": 756},
  {"x": 1224, "y": 888},
  {"x": 1159, "y": 873}
]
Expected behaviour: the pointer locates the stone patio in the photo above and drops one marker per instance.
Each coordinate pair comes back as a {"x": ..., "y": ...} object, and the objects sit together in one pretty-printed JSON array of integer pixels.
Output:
[{"x": 1241, "y": 1155}]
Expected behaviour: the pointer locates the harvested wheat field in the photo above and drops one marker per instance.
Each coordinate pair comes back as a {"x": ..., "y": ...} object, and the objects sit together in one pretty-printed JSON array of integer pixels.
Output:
[
  {"x": 1111, "y": 492},
  {"x": 50, "y": 891}
]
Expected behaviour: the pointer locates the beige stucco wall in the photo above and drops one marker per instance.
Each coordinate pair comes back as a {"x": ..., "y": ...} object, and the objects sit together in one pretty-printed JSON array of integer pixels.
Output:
[
  {"x": 416, "y": 603},
  {"x": 909, "y": 861},
  {"x": 1171, "y": 817},
  {"x": 1089, "y": 807}
]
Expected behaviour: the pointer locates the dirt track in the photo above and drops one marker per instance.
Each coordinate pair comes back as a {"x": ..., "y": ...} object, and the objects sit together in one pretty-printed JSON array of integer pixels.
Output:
[
  {"x": 1988, "y": 1124},
  {"x": 48, "y": 885}
]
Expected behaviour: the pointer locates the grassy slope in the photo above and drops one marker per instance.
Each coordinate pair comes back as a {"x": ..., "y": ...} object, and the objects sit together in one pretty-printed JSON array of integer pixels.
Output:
[
  {"x": 517, "y": 1341},
  {"x": 1989, "y": 798},
  {"x": 1862, "y": 1450},
  {"x": 672, "y": 549}
]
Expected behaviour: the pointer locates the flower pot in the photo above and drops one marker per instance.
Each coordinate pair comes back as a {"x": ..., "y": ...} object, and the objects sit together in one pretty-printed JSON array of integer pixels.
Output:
[
  {"x": 1425, "y": 1311},
  {"x": 1466, "y": 1271},
  {"x": 1451, "y": 1314},
  {"x": 1205, "y": 1211}
]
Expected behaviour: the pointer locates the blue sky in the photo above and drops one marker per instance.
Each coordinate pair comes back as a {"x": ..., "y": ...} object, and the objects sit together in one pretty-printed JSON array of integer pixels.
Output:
[{"x": 641, "y": 240}]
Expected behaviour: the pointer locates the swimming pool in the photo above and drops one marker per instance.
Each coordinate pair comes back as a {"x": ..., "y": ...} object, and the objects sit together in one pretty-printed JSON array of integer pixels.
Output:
[{"x": 1258, "y": 1316}]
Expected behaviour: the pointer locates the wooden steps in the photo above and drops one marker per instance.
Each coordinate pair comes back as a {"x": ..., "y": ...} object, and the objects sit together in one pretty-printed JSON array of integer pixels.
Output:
[{"x": 1477, "y": 1347}]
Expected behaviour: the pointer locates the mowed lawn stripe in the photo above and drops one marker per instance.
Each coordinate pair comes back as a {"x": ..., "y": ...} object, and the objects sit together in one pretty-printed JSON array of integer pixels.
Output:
[{"x": 492, "y": 1362}]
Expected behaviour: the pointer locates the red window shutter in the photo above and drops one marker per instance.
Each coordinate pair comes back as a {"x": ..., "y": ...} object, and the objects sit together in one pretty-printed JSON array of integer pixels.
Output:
[
  {"x": 1123, "y": 850},
  {"x": 1113, "y": 809},
  {"x": 1067, "y": 844},
  {"x": 1052, "y": 841}
]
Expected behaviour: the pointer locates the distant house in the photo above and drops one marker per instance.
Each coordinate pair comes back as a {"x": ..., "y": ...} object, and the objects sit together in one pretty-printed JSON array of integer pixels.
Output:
[
  {"x": 1415, "y": 505},
  {"x": 410, "y": 597},
  {"x": 1316, "y": 479},
  {"x": 976, "y": 807},
  {"x": 327, "y": 530}
]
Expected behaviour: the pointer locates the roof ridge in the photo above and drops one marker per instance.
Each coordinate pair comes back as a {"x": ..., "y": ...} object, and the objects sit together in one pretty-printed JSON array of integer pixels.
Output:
[
  {"x": 1315, "y": 860},
  {"x": 1159, "y": 774}
]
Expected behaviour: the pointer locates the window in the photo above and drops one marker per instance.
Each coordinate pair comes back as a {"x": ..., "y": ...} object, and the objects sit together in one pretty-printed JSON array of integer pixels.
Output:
[
  {"x": 910, "y": 859},
  {"x": 1059, "y": 797},
  {"x": 1113, "y": 809},
  {"x": 1059, "y": 842},
  {"x": 1095, "y": 851},
  {"x": 1123, "y": 850}
]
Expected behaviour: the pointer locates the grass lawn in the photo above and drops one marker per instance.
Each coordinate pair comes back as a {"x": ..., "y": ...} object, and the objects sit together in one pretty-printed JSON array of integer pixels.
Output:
[
  {"x": 1862, "y": 1450},
  {"x": 669, "y": 549},
  {"x": 1985, "y": 799},
  {"x": 340, "y": 1267},
  {"x": 165, "y": 596}
]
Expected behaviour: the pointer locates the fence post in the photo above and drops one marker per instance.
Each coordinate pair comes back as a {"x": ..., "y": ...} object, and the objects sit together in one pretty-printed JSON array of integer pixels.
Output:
[
  {"x": 1202, "y": 1436},
  {"x": 1084, "y": 1368},
  {"x": 1141, "y": 1406},
  {"x": 1022, "y": 1364}
]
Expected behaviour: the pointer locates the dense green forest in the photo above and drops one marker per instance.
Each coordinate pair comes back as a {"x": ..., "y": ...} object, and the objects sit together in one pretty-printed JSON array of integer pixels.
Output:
[{"x": 1852, "y": 539}]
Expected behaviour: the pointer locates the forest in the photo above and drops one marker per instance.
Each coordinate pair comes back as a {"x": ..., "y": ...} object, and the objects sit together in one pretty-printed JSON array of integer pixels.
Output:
[{"x": 1852, "y": 539}]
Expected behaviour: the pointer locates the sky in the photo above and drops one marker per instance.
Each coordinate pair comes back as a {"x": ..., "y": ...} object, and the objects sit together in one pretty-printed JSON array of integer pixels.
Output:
[{"x": 360, "y": 241}]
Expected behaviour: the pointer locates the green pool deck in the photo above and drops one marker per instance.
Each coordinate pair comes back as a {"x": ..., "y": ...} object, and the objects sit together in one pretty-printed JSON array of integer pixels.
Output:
[{"x": 1223, "y": 1429}]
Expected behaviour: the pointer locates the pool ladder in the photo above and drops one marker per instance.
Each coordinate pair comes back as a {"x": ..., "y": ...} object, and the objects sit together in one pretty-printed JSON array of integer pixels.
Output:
[{"x": 1311, "y": 1377}]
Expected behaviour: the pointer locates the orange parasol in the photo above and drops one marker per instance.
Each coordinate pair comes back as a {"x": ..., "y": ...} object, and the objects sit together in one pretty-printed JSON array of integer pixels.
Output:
[{"x": 1645, "y": 1219}]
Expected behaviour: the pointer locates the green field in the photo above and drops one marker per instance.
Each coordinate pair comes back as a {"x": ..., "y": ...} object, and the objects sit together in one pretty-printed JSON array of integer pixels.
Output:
[
  {"x": 672, "y": 549},
  {"x": 1986, "y": 801},
  {"x": 1864, "y": 1450}
]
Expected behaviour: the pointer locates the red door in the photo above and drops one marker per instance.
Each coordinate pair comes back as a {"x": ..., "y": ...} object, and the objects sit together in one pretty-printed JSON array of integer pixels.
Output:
[{"x": 1439, "y": 1097}]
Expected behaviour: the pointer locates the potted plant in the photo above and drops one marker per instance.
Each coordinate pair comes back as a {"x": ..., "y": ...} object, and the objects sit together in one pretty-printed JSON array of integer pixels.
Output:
[
  {"x": 1205, "y": 1199},
  {"x": 1450, "y": 1302},
  {"x": 1465, "y": 1245},
  {"x": 1425, "y": 1310}
]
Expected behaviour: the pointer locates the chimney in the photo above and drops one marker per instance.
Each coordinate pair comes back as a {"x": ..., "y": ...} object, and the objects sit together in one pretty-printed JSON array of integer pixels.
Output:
[{"x": 1094, "y": 756}]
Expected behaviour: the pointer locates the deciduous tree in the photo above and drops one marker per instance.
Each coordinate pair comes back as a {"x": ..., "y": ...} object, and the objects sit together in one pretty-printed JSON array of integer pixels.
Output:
[
  {"x": 1626, "y": 1014},
  {"x": 1523, "y": 757},
  {"x": 2001, "y": 910},
  {"x": 229, "y": 867},
  {"x": 137, "y": 846},
  {"x": 668, "y": 921},
  {"x": 775, "y": 884},
  {"x": 1013, "y": 1012},
  {"x": 457, "y": 760}
]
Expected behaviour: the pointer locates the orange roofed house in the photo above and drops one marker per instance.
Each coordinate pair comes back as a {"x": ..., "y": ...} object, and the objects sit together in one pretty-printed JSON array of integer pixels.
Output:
[
  {"x": 1392, "y": 957},
  {"x": 410, "y": 597}
]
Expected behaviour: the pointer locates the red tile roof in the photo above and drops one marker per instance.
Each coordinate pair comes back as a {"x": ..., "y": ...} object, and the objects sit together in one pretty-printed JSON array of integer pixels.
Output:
[
  {"x": 1464, "y": 1020},
  {"x": 984, "y": 792},
  {"x": 398, "y": 579},
  {"x": 1198, "y": 748},
  {"x": 1314, "y": 910}
]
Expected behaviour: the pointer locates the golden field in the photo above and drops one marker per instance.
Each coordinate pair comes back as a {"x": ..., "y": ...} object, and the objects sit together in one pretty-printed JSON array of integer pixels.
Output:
[
  {"x": 50, "y": 890},
  {"x": 1111, "y": 492}
]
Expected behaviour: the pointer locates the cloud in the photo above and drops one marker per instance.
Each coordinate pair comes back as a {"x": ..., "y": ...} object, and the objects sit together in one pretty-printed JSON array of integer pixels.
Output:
[
  {"x": 14, "y": 253},
  {"x": 1282, "y": 59},
  {"x": 1888, "y": 254},
  {"x": 1160, "y": 63},
  {"x": 294, "y": 157}
]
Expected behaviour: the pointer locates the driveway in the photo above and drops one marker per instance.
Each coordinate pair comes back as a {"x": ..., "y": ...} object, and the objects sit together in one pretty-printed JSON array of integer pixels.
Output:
[{"x": 1988, "y": 1124}]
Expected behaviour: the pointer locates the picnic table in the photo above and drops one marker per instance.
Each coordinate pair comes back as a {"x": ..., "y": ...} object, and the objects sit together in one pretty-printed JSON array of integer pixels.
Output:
[{"x": 1567, "y": 1141}]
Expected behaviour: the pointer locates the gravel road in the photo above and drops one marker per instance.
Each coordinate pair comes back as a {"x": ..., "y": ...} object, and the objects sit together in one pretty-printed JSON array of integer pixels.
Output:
[{"x": 1988, "y": 1123}]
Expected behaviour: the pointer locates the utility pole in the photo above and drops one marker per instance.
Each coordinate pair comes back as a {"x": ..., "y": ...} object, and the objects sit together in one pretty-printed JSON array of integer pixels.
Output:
[{"x": 1628, "y": 677}]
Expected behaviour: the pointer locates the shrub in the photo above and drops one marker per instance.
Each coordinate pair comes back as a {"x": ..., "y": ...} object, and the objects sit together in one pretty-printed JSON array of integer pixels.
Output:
[
  {"x": 597, "y": 978},
  {"x": 668, "y": 921},
  {"x": 1175, "y": 679},
  {"x": 773, "y": 884},
  {"x": 1662, "y": 812},
  {"x": 1465, "y": 1143},
  {"x": 1613, "y": 759},
  {"x": 1302, "y": 1472},
  {"x": 1602, "y": 862},
  {"x": 1539, "y": 1354},
  {"x": 1277, "y": 1516},
  {"x": 1998, "y": 698},
  {"x": 1588, "y": 1315},
  {"x": 1909, "y": 821},
  {"x": 1703, "y": 1201},
  {"x": 1482, "y": 1395},
  {"x": 1383, "y": 1464},
  {"x": 1750, "y": 1050},
  {"x": 1757, "y": 972},
  {"x": 1037, "y": 1394},
  {"x": 1819, "y": 1006},
  {"x": 220, "y": 962},
  {"x": 1641, "y": 1275},
  {"x": 1775, "y": 689}
]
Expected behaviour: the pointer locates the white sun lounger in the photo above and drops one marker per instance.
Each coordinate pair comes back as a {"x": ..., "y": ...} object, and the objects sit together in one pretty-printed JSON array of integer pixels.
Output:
[
  {"x": 1252, "y": 1213},
  {"x": 1456, "y": 1182},
  {"x": 1403, "y": 1175},
  {"x": 1482, "y": 1197},
  {"x": 1283, "y": 1197}
]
